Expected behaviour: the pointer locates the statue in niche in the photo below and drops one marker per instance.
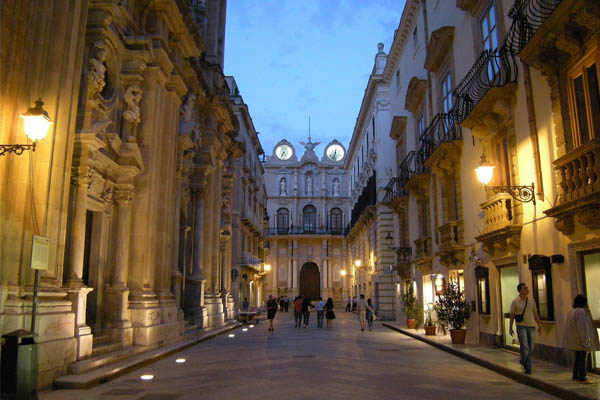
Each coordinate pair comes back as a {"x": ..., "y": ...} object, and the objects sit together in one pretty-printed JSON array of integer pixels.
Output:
[
  {"x": 336, "y": 187},
  {"x": 187, "y": 109},
  {"x": 132, "y": 116},
  {"x": 309, "y": 184},
  {"x": 96, "y": 75},
  {"x": 189, "y": 125},
  {"x": 283, "y": 187}
]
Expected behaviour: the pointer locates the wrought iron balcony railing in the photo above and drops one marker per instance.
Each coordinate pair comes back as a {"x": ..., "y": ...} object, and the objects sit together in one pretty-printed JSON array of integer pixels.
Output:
[
  {"x": 527, "y": 17},
  {"x": 493, "y": 69},
  {"x": 281, "y": 231},
  {"x": 442, "y": 129},
  {"x": 367, "y": 198}
]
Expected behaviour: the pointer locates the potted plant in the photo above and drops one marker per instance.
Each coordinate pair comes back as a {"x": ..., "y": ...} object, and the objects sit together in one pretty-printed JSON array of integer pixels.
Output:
[
  {"x": 453, "y": 310},
  {"x": 410, "y": 307},
  {"x": 429, "y": 323}
]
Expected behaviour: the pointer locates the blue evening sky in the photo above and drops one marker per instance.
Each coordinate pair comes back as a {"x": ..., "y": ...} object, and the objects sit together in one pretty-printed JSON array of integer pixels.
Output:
[{"x": 293, "y": 59}]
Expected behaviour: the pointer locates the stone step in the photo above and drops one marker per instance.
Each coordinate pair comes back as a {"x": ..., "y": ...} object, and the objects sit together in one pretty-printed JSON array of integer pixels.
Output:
[
  {"x": 100, "y": 339},
  {"x": 105, "y": 347},
  {"x": 104, "y": 359},
  {"x": 95, "y": 370}
]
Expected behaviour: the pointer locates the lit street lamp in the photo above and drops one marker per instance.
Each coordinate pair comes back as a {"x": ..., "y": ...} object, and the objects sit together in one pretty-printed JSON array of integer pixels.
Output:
[
  {"x": 485, "y": 172},
  {"x": 36, "y": 124}
]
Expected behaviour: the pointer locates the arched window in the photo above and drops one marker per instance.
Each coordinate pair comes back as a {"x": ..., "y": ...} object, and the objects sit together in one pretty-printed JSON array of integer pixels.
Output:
[
  {"x": 309, "y": 214},
  {"x": 283, "y": 221},
  {"x": 335, "y": 222}
]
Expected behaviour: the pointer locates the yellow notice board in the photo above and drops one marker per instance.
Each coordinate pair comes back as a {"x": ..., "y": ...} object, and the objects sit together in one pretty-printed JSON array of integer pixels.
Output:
[{"x": 40, "y": 253}]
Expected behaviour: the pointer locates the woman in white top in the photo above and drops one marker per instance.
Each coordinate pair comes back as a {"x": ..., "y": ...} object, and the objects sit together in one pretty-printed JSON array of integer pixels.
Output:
[{"x": 581, "y": 336}]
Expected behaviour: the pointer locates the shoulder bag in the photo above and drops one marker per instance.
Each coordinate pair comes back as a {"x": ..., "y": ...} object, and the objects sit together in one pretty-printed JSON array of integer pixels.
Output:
[{"x": 519, "y": 318}]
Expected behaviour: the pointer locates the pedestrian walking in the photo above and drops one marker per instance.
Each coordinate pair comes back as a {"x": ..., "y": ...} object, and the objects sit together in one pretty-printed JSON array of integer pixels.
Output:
[
  {"x": 329, "y": 314},
  {"x": 370, "y": 314},
  {"x": 362, "y": 311},
  {"x": 348, "y": 304},
  {"x": 320, "y": 309},
  {"x": 298, "y": 311},
  {"x": 526, "y": 315},
  {"x": 581, "y": 336},
  {"x": 245, "y": 304},
  {"x": 286, "y": 304},
  {"x": 354, "y": 303},
  {"x": 306, "y": 306},
  {"x": 271, "y": 311},
  {"x": 281, "y": 304}
]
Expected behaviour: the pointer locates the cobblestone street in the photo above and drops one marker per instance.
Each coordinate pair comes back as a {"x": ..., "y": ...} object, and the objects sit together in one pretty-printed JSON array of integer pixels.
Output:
[{"x": 291, "y": 363}]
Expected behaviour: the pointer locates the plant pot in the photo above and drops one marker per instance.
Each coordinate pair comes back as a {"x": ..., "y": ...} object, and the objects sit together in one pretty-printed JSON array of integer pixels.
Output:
[
  {"x": 411, "y": 323},
  {"x": 458, "y": 336},
  {"x": 430, "y": 330}
]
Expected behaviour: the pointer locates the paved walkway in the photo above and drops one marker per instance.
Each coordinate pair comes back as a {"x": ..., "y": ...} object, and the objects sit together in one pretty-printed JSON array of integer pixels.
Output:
[
  {"x": 291, "y": 363},
  {"x": 546, "y": 376}
]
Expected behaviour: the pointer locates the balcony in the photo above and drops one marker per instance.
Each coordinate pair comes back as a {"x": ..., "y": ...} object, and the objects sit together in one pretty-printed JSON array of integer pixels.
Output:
[
  {"x": 302, "y": 231},
  {"x": 579, "y": 181},
  {"x": 452, "y": 247},
  {"x": 423, "y": 258},
  {"x": 367, "y": 198},
  {"x": 396, "y": 196},
  {"x": 442, "y": 141},
  {"x": 485, "y": 96},
  {"x": 501, "y": 234},
  {"x": 417, "y": 173},
  {"x": 528, "y": 16}
]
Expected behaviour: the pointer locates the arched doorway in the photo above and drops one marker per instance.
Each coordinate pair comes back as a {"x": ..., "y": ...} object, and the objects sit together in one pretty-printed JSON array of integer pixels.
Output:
[{"x": 310, "y": 281}]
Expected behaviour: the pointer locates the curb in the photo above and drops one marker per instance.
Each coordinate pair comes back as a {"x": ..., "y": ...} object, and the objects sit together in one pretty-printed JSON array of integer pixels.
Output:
[
  {"x": 151, "y": 357},
  {"x": 520, "y": 377}
]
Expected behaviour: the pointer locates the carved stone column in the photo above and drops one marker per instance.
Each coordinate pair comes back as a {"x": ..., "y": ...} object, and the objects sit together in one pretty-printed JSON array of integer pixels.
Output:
[{"x": 117, "y": 294}]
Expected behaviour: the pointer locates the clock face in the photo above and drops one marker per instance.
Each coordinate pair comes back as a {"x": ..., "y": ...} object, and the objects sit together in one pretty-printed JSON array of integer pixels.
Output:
[
  {"x": 335, "y": 152},
  {"x": 283, "y": 152}
]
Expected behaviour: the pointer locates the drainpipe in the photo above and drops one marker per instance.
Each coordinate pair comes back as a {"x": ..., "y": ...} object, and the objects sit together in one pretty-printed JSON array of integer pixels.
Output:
[{"x": 533, "y": 133}]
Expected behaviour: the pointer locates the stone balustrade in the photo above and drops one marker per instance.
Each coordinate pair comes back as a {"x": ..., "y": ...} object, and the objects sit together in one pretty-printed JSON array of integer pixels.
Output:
[
  {"x": 498, "y": 212},
  {"x": 450, "y": 237},
  {"x": 423, "y": 247},
  {"x": 579, "y": 172}
]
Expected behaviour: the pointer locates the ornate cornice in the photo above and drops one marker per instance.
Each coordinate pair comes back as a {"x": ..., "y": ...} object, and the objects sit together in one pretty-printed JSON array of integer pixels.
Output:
[
  {"x": 415, "y": 93},
  {"x": 440, "y": 44},
  {"x": 398, "y": 127}
]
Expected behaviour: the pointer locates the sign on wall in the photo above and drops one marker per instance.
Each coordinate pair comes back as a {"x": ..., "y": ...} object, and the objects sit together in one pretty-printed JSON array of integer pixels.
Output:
[{"x": 40, "y": 253}]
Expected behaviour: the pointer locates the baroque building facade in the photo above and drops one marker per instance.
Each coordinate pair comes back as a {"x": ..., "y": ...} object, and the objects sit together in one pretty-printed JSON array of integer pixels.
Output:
[
  {"x": 485, "y": 79},
  {"x": 307, "y": 204},
  {"x": 134, "y": 186}
]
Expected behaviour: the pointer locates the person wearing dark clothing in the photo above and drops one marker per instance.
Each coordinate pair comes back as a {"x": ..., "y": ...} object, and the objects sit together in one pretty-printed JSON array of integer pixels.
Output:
[
  {"x": 348, "y": 304},
  {"x": 329, "y": 314},
  {"x": 306, "y": 310},
  {"x": 354, "y": 303},
  {"x": 271, "y": 311},
  {"x": 286, "y": 304},
  {"x": 281, "y": 304},
  {"x": 370, "y": 315}
]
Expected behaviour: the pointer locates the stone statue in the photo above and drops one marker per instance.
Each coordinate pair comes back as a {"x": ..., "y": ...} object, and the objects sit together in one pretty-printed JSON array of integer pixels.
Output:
[
  {"x": 187, "y": 109},
  {"x": 96, "y": 72},
  {"x": 283, "y": 187},
  {"x": 336, "y": 187},
  {"x": 310, "y": 146},
  {"x": 309, "y": 183},
  {"x": 132, "y": 97}
]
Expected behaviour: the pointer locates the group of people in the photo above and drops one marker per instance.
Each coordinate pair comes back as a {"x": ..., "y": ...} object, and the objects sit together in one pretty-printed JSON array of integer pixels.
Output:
[
  {"x": 303, "y": 306},
  {"x": 284, "y": 303},
  {"x": 581, "y": 334}
]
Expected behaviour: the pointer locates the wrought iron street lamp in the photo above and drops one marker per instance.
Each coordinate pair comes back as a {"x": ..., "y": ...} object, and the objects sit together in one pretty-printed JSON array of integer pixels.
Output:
[
  {"x": 343, "y": 272},
  {"x": 485, "y": 172},
  {"x": 36, "y": 123},
  {"x": 404, "y": 252}
]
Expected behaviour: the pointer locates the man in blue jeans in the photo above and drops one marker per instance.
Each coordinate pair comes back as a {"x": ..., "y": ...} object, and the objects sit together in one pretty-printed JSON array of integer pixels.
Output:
[{"x": 525, "y": 313}]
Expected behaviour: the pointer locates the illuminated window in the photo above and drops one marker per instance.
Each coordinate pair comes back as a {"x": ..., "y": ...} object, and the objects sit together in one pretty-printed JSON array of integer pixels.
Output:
[
  {"x": 483, "y": 290},
  {"x": 541, "y": 274},
  {"x": 584, "y": 93}
]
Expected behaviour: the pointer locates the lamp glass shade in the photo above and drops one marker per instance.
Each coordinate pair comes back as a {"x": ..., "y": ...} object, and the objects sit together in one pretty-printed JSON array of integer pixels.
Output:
[
  {"x": 389, "y": 240},
  {"x": 357, "y": 263},
  {"x": 343, "y": 272},
  {"x": 267, "y": 267},
  {"x": 36, "y": 122},
  {"x": 485, "y": 173}
]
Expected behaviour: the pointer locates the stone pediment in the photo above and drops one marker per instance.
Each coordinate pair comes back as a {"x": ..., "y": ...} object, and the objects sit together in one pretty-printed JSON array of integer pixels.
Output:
[
  {"x": 415, "y": 93},
  {"x": 438, "y": 48},
  {"x": 398, "y": 127}
]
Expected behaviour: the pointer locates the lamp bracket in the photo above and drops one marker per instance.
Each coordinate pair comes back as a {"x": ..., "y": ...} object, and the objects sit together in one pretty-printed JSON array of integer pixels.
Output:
[
  {"x": 18, "y": 149},
  {"x": 524, "y": 194}
]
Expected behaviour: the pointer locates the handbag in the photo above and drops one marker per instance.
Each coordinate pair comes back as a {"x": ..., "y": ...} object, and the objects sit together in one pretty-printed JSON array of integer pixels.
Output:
[{"x": 519, "y": 318}]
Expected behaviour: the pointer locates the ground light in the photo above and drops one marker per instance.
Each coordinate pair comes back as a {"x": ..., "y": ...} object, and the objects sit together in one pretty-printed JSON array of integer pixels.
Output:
[
  {"x": 147, "y": 377},
  {"x": 180, "y": 360},
  {"x": 231, "y": 335},
  {"x": 245, "y": 329},
  {"x": 251, "y": 326}
]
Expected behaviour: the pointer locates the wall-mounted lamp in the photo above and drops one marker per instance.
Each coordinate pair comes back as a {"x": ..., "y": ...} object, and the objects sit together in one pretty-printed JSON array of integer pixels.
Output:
[
  {"x": 343, "y": 272},
  {"x": 357, "y": 263},
  {"x": 485, "y": 172},
  {"x": 36, "y": 123},
  {"x": 405, "y": 253},
  {"x": 267, "y": 267}
]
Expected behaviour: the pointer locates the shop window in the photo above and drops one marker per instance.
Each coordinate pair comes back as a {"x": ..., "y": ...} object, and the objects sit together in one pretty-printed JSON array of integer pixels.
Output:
[
  {"x": 541, "y": 274},
  {"x": 482, "y": 277},
  {"x": 584, "y": 102}
]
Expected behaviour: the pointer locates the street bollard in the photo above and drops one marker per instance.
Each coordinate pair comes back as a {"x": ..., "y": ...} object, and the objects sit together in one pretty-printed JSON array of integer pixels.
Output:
[{"x": 19, "y": 365}]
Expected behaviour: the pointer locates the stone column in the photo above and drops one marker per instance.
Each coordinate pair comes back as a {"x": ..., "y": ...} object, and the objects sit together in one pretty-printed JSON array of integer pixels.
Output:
[
  {"x": 117, "y": 294},
  {"x": 75, "y": 286},
  {"x": 196, "y": 283}
]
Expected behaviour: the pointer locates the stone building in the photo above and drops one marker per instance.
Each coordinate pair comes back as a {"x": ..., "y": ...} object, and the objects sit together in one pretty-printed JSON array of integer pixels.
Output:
[
  {"x": 132, "y": 186},
  {"x": 307, "y": 204},
  {"x": 513, "y": 83}
]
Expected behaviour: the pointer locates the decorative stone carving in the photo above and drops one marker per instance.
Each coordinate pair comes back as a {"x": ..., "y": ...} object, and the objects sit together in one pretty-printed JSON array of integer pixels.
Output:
[
  {"x": 309, "y": 185},
  {"x": 123, "y": 196},
  {"x": 283, "y": 187},
  {"x": 589, "y": 217},
  {"x": 336, "y": 187},
  {"x": 132, "y": 115},
  {"x": 414, "y": 93},
  {"x": 96, "y": 75},
  {"x": 440, "y": 44}
]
